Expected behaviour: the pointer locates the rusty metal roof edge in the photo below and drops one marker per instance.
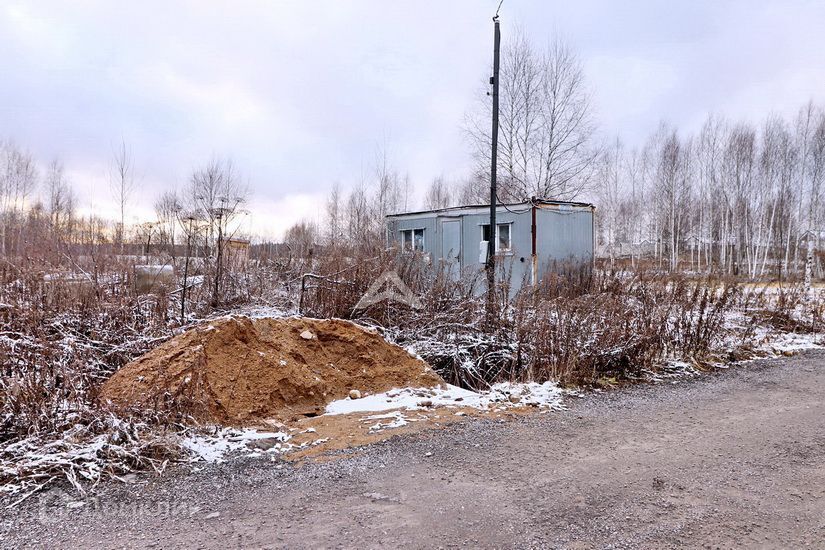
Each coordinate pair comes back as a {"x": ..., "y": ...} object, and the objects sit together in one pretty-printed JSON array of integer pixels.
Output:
[{"x": 537, "y": 202}]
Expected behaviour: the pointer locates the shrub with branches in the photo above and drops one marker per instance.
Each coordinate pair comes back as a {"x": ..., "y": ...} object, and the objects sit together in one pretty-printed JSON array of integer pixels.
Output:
[{"x": 576, "y": 327}]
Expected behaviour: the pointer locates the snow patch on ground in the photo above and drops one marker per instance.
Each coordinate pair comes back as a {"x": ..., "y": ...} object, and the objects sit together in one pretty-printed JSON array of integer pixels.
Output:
[
  {"x": 396, "y": 419},
  {"x": 258, "y": 312},
  {"x": 744, "y": 331},
  {"x": 780, "y": 343},
  {"x": 213, "y": 448},
  {"x": 503, "y": 395}
]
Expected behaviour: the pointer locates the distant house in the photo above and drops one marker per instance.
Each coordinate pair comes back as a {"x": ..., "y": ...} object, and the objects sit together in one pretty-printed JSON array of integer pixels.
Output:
[
  {"x": 531, "y": 236},
  {"x": 237, "y": 253},
  {"x": 625, "y": 249}
]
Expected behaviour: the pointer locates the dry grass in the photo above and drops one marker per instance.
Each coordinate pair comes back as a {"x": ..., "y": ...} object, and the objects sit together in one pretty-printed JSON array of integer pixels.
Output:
[
  {"x": 60, "y": 339},
  {"x": 575, "y": 328}
]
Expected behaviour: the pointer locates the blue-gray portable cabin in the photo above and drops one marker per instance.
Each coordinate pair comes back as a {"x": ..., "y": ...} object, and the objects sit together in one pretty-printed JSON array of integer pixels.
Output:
[{"x": 531, "y": 236}]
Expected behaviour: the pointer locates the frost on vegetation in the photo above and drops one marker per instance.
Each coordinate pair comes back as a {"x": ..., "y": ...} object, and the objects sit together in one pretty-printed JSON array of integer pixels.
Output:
[
  {"x": 631, "y": 327},
  {"x": 625, "y": 326},
  {"x": 81, "y": 456},
  {"x": 58, "y": 343}
]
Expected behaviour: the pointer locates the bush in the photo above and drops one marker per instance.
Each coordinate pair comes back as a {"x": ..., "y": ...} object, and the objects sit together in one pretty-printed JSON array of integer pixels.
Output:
[
  {"x": 575, "y": 327},
  {"x": 60, "y": 339}
]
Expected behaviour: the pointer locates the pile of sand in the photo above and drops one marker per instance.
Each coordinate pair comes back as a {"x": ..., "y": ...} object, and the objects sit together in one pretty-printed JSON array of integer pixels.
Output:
[{"x": 240, "y": 371}]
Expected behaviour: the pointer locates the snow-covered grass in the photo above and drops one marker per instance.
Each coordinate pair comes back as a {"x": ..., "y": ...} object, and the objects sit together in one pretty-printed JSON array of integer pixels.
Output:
[
  {"x": 782, "y": 343},
  {"x": 83, "y": 455},
  {"x": 59, "y": 342}
]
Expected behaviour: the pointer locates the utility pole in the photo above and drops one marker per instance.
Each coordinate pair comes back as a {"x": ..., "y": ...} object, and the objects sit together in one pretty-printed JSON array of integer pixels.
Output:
[{"x": 493, "y": 233}]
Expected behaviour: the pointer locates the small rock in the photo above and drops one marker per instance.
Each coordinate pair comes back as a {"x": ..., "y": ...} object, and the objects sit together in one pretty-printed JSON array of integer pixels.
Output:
[
  {"x": 354, "y": 394},
  {"x": 789, "y": 353},
  {"x": 263, "y": 444},
  {"x": 376, "y": 496},
  {"x": 307, "y": 335},
  {"x": 428, "y": 454},
  {"x": 213, "y": 515},
  {"x": 274, "y": 423},
  {"x": 514, "y": 399}
]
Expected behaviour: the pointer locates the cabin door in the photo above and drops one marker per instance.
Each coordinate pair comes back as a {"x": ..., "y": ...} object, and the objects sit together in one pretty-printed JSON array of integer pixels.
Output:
[{"x": 451, "y": 245}]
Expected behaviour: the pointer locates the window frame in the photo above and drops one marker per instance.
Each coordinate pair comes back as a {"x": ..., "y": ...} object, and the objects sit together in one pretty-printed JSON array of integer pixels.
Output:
[
  {"x": 499, "y": 250},
  {"x": 509, "y": 248},
  {"x": 408, "y": 239}
]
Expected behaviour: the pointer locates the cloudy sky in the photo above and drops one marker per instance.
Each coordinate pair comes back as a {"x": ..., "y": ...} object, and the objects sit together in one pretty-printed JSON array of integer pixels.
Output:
[{"x": 302, "y": 94}]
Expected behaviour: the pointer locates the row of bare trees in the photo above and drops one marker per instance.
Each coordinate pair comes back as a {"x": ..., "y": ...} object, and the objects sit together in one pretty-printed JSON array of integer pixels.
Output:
[
  {"x": 40, "y": 226},
  {"x": 734, "y": 198},
  {"x": 355, "y": 217}
]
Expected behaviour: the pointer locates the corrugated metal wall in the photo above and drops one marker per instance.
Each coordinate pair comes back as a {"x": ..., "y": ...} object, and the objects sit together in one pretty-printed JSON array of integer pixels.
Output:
[{"x": 564, "y": 234}]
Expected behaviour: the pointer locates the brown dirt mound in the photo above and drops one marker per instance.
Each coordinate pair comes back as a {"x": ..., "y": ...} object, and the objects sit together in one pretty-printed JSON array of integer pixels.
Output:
[{"x": 240, "y": 371}]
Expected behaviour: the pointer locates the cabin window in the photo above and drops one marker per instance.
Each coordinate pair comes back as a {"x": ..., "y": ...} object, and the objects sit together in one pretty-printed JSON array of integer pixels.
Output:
[
  {"x": 412, "y": 240},
  {"x": 504, "y": 242}
]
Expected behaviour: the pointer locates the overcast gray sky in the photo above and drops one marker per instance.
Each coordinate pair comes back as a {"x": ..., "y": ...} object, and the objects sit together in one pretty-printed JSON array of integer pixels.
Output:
[{"x": 301, "y": 94}]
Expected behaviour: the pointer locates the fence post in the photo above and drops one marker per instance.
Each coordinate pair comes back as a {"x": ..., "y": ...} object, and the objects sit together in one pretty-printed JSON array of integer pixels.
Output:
[{"x": 301, "y": 299}]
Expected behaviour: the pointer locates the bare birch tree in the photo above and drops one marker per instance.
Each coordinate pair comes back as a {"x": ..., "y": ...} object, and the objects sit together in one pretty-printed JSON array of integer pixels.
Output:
[
  {"x": 168, "y": 211},
  {"x": 18, "y": 179},
  {"x": 546, "y": 140},
  {"x": 60, "y": 206},
  {"x": 334, "y": 212},
  {"x": 438, "y": 194},
  {"x": 122, "y": 184},
  {"x": 217, "y": 195}
]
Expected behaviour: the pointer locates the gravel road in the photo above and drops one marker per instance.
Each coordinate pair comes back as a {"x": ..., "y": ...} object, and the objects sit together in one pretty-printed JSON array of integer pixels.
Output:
[{"x": 735, "y": 459}]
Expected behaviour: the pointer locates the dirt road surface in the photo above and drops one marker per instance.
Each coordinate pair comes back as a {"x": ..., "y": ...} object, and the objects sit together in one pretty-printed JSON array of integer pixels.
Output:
[{"x": 735, "y": 459}]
